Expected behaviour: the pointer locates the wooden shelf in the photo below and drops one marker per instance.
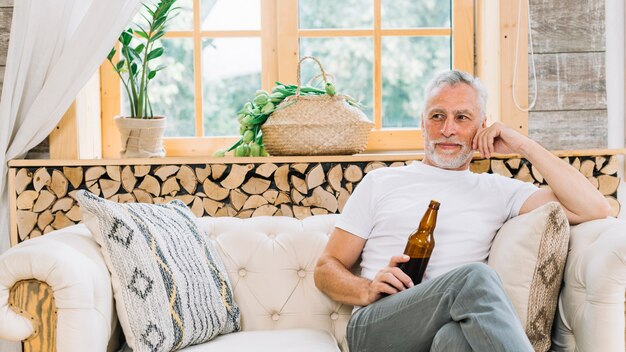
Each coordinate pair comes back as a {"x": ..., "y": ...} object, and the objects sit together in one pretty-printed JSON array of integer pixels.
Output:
[{"x": 373, "y": 156}]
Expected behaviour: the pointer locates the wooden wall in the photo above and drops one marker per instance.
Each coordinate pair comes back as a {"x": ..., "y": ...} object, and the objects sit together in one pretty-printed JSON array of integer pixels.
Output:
[
  {"x": 6, "y": 12},
  {"x": 569, "y": 45}
]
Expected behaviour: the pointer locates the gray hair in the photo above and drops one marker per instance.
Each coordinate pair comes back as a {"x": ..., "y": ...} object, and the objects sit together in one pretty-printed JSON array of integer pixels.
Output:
[{"x": 454, "y": 77}]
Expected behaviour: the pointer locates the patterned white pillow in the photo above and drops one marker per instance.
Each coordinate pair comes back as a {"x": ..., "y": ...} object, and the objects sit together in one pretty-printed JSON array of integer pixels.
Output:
[
  {"x": 170, "y": 285},
  {"x": 529, "y": 253}
]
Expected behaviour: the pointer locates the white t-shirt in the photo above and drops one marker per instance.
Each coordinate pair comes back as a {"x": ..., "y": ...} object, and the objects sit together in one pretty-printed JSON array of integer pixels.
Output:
[{"x": 388, "y": 204}]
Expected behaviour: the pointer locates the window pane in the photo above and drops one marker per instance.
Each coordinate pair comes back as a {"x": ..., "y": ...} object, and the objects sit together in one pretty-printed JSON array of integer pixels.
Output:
[
  {"x": 231, "y": 73},
  {"x": 171, "y": 91},
  {"x": 183, "y": 21},
  {"x": 348, "y": 59},
  {"x": 408, "y": 63},
  {"x": 336, "y": 14},
  {"x": 411, "y": 13},
  {"x": 230, "y": 14}
]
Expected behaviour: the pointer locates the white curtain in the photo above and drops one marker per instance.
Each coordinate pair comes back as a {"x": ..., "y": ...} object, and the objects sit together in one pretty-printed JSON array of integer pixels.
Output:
[{"x": 55, "y": 46}]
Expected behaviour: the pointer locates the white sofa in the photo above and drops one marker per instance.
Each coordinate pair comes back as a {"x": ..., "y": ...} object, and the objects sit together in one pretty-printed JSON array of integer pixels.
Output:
[{"x": 270, "y": 261}]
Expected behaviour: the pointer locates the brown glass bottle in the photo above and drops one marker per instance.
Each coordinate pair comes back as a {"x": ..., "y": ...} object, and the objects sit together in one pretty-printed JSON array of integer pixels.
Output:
[{"x": 421, "y": 244}]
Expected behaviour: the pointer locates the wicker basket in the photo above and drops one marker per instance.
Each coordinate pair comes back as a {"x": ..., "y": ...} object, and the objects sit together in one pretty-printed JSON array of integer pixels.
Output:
[{"x": 316, "y": 125}]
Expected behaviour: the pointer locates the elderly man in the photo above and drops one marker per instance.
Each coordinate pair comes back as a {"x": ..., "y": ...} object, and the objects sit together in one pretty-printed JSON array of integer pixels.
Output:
[{"x": 460, "y": 305}]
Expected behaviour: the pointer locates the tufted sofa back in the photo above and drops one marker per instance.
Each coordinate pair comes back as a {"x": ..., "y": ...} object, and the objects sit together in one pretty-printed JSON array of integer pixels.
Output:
[{"x": 270, "y": 263}]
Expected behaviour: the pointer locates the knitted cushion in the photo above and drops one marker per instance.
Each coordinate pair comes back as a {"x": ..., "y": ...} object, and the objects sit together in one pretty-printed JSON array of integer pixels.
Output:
[
  {"x": 170, "y": 286},
  {"x": 529, "y": 253}
]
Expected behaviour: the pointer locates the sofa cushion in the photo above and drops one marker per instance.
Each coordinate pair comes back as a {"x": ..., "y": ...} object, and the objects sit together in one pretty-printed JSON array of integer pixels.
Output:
[
  {"x": 270, "y": 261},
  {"x": 288, "y": 340},
  {"x": 170, "y": 285},
  {"x": 529, "y": 254}
]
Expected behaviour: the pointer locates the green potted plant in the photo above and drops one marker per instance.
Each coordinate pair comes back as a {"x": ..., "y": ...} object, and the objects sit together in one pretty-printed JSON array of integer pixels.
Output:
[{"x": 142, "y": 132}]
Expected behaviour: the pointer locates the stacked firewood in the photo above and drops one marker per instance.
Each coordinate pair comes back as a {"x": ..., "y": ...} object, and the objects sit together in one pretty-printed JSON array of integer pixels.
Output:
[{"x": 44, "y": 197}]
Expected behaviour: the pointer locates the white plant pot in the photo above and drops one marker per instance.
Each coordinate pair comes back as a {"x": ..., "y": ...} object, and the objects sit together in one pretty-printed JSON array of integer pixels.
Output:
[{"x": 141, "y": 138}]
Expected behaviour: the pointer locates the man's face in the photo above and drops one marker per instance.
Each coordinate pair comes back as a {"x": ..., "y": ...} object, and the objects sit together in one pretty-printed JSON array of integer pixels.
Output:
[{"x": 449, "y": 122}]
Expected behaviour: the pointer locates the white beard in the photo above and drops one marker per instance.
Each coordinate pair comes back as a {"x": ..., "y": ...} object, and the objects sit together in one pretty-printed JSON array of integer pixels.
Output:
[{"x": 444, "y": 159}]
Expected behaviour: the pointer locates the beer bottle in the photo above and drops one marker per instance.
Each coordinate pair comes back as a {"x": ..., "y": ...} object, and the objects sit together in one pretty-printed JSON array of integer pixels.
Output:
[{"x": 421, "y": 244}]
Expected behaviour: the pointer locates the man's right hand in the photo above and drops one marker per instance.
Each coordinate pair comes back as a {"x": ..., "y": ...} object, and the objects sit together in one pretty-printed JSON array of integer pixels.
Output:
[
  {"x": 333, "y": 277},
  {"x": 390, "y": 279}
]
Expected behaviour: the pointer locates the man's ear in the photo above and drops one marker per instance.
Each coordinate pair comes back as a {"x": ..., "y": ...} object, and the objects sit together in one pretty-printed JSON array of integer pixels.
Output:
[{"x": 422, "y": 122}]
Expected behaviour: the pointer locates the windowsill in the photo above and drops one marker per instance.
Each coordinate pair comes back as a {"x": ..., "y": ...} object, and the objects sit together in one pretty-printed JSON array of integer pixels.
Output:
[{"x": 388, "y": 156}]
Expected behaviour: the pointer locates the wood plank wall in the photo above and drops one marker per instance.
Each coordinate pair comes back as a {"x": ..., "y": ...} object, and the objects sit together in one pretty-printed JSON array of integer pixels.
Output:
[
  {"x": 569, "y": 45},
  {"x": 6, "y": 12}
]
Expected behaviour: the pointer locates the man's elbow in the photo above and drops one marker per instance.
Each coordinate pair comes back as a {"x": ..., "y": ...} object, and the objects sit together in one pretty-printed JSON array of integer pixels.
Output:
[{"x": 318, "y": 273}]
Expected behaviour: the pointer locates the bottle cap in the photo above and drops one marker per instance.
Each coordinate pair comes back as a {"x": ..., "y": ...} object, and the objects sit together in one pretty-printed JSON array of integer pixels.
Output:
[{"x": 434, "y": 204}]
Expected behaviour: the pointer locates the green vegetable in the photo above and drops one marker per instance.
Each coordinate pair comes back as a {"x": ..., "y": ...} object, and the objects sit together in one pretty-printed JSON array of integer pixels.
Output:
[
  {"x": 219, "y": 153},
  {"x": 248, "y": 136},
  {"x": 278, "y": 87},
  {"x": 261, "y": 99},
  {"x": 330, "y": 88},
  {"x": 255, "y": 149},
  {"x": 242, "y": 150},
  {"x": 246, "y": 120},
  {"x": 268, "y": 108},
  {"x": 277, "y": 97}
]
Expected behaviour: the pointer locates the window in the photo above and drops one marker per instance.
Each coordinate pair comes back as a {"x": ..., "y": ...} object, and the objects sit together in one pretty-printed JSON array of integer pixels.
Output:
[{"x": 219, "y": 52}]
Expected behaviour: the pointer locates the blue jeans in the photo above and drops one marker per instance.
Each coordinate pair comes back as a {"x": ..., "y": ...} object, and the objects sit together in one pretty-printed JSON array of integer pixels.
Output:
[{"x": 463, "y": 310}]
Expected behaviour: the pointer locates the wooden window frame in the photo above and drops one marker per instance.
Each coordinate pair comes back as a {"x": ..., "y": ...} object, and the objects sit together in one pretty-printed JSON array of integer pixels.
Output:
[{"x": 279, "y": 61}]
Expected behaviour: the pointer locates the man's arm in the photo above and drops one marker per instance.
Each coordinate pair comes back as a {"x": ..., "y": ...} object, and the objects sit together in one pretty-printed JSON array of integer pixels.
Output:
[
  {"x": 333, "y": 277},
  {"x": 580, "y": 200}
]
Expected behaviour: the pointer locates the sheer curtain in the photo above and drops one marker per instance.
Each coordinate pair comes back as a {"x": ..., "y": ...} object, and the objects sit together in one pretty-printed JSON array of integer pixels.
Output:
[{"x": 54, "y": 48}]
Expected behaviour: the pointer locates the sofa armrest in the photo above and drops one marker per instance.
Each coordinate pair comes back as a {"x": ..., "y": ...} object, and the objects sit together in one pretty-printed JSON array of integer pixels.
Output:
[
  {"x": 69, "y": 262},
  {"x": 591, "y": 304}
]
